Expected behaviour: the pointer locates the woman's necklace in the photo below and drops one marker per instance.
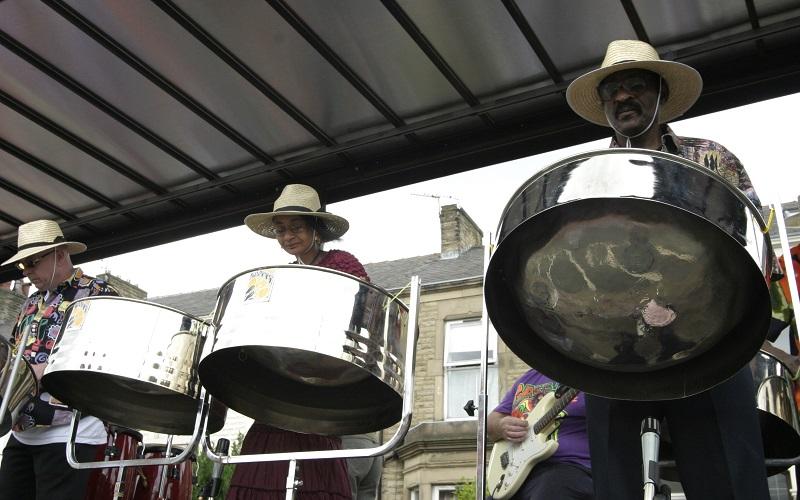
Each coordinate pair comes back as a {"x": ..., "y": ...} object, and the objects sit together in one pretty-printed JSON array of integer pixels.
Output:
[
  {"x": 316, "y": 258},
  {"x": 313, "y": 261}
]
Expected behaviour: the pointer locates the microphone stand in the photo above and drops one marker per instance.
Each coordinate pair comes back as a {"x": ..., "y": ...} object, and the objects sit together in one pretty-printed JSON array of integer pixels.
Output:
[
  {"x": 651, "y": 436},
  {"x": 212, "y": 487}
]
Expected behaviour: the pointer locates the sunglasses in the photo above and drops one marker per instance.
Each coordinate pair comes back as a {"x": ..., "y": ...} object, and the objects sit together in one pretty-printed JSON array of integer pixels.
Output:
[
  {"x": 634, "y": 85},
  {"x": 279, "y": 231},
  {"x": 32, "y": 262}
]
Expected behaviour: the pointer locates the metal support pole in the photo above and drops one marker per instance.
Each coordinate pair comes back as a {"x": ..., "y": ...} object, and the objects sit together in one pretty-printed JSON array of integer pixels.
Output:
[
  {"x": 291, "y": 482},
  {"x": 480, "y": 476}
]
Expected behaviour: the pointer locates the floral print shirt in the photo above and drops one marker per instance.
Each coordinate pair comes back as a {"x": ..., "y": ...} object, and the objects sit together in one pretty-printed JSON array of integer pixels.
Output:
[
  {"x": 47, "y": 310},
  {"x": 711, "y": 155}
]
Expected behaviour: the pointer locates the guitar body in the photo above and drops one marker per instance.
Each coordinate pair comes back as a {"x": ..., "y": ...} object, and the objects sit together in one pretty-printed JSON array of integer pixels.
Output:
[{"x": 510, "y": 463}]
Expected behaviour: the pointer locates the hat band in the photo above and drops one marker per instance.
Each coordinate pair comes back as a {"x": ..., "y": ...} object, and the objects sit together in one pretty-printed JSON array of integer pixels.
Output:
[
  {"x": 58, "y": 239},
  {"x": 293, "y": 208}
]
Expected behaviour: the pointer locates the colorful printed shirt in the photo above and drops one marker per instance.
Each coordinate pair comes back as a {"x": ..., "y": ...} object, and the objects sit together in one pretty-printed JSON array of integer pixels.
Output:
[
  {"x": 711, "y": 155},
  {"x": 573, "y": 440},
  {"x": 47, "y": 310}
]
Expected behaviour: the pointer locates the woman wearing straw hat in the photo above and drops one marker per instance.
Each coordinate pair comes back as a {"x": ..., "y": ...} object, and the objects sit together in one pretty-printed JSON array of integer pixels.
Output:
[
  {"x": 715, "y": 434},
  {"x": 34, "y": 464},
  {"x": 301, "y": 227}
]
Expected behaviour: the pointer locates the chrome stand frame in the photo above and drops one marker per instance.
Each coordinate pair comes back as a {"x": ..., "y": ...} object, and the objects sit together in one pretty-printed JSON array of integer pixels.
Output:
[{"x": 200, "y": 423}]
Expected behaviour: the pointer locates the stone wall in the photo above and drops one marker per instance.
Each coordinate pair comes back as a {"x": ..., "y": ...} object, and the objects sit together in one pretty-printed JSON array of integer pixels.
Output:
[{"x": 435, "y": 451}]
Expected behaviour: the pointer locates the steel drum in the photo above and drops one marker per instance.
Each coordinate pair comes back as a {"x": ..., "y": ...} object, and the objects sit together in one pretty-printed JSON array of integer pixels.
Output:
[
  {"x": 308, "y": 349},
  {"x": 22, "y": 386},
  {"x": 631, "y": 274},
  {"x": 131, "y": 363},
  {"x": 780, "y": 428},
  {"x": 777, "y": 415}
]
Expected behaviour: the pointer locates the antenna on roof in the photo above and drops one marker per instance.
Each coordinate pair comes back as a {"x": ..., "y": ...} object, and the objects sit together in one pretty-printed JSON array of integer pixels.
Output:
[{"x": 439, "y": 198}]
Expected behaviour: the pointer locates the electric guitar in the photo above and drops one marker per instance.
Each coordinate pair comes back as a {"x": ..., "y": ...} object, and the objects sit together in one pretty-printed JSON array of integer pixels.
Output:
[{"x": 510, "y": 463}]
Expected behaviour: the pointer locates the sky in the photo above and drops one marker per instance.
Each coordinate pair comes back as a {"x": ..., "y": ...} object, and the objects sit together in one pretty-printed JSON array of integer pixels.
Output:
[{"x": 404, "y": 222}]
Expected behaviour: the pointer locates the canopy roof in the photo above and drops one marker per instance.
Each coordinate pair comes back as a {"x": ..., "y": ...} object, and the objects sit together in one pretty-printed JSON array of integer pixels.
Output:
[{"x": 138, "y": 123}]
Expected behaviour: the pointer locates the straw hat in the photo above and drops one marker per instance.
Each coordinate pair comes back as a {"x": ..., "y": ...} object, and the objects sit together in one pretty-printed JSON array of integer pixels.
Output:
[
  {"x": 298, "y": 199},
  {"x": 39, "y": 236},
  {"x": 684, "y": 82}
]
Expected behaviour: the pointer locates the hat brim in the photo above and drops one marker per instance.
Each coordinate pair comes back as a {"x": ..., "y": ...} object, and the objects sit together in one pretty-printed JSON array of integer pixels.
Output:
[
  {"x": 684, "y": 82},
  {"x": 73, "y": 247},
  {"x": 262, "y": 224}
]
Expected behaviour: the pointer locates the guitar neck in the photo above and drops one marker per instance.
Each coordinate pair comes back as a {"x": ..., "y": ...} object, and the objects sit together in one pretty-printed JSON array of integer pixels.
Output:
[{"x": 559, "y": 405}]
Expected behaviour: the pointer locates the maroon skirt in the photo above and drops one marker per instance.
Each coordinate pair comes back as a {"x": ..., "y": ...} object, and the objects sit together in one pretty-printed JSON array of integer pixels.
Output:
[{"x": 322, "y": 479}]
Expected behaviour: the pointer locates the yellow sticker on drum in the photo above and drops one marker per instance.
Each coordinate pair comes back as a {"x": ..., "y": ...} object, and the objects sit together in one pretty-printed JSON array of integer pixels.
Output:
[
  {"x": 259, "y": 287},
  {"x": 77, "y": 316}
]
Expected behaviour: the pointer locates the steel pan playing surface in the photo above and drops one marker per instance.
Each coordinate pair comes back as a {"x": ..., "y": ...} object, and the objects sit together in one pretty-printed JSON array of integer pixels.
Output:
[{"x": 631, "y": 274}]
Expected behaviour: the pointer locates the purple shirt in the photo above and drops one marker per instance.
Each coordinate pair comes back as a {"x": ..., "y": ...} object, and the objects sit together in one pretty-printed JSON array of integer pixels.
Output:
[{"x": 573, "y": 441}]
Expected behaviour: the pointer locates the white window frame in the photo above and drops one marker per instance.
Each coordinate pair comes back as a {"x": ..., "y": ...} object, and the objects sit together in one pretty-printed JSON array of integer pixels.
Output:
[
  {"x": 450, "y": 366},
  {"x": 439, "y": 488},
  {"x": 413, "y": 493}
]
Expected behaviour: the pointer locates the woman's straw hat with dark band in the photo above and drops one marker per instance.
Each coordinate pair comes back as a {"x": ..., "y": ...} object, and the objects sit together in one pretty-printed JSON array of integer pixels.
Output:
[
  {"x": 684, "y": 82},
  {"x": 39, "y": 236},
  {"x": 298, "y": 199}
]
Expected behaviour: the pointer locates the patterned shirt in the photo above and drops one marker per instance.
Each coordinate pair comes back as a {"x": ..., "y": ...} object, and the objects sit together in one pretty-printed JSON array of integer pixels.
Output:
[
  {"x": 47, "y": 310},
  {"x": 711, "y": 155}
]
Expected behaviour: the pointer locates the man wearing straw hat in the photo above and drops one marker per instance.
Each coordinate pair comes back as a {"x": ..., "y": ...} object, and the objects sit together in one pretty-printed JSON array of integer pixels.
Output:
[
  {"x": 34, "y": 464},
  {"x": 715, "y": 434}
]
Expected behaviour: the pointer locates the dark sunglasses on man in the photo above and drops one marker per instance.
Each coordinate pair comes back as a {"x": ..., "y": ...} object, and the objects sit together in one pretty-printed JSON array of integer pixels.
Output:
[
  {"x": 635, "y": 85},
  {"x": 32, "y": 262}
]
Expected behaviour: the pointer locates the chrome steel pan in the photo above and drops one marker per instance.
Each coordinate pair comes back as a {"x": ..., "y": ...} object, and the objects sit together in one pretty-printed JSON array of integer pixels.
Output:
[
  {"x": 777, "y": 414},
  {"x": 780, "y": 428},
  {"x": 131, "y": 363},
  {"x": 22, "y": 387},
  {"x": 308, "y": 349},
  {"x": 631, "y": 274}
]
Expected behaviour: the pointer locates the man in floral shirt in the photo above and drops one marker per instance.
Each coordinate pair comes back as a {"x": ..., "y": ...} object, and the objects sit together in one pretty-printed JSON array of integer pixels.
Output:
[
  {"x": 715, "y": 434},
  {"x": 34, "y": 464}
]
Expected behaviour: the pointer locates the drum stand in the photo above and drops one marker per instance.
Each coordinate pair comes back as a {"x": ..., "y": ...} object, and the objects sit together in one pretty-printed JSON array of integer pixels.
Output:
[
  {"x": 200, "y": 424},
  {"x": 405, "y": 420}
]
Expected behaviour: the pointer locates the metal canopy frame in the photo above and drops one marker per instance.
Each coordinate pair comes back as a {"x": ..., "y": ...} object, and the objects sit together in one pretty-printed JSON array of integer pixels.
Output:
[{"x": 136, "y": 124}]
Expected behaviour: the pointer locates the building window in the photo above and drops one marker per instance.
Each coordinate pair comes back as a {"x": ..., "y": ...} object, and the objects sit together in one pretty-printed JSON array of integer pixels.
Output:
[
  {"x": 444, "y": 492},
  {"x": 463, "y": 341},
  {"x": 413, "y": 493}
]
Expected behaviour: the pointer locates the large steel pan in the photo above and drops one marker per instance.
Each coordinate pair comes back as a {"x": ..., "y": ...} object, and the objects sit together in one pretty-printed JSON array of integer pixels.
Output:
[
  {"x": 780, "y": 428},
  {"x": 22, "y": 387},
  {"x": 132, "y": 363},
  {"x": 308, "y": 349},
  {"x": 777, "y": 415},
  {"x": 631, "y": 274}
]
